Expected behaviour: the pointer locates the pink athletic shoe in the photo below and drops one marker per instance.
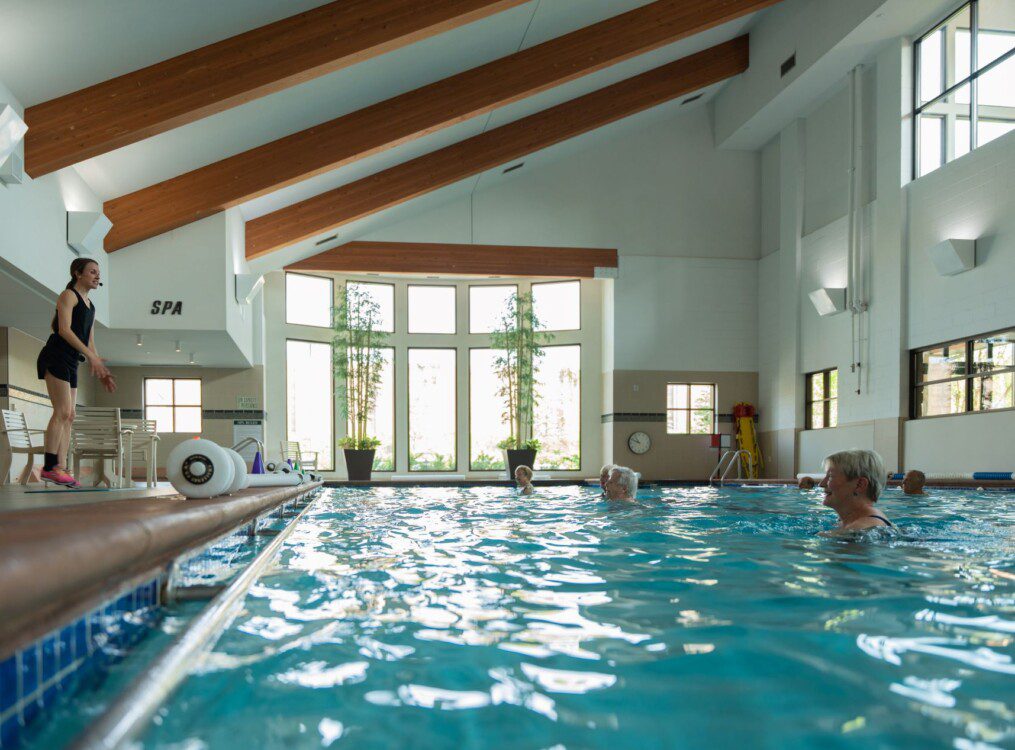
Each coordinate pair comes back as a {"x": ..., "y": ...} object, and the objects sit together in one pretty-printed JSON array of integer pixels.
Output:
[{"x": 57, "y": 475}]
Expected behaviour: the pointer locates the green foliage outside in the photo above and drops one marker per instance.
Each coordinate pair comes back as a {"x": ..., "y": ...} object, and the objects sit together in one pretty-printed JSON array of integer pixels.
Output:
[
  {"x": 520, "y": 344},
  {"x": 383, "y": 463},
  {"x": 431, "y": 462},
  {"x": 486, "y": 462},
  {"x": 358, "y": 361}
]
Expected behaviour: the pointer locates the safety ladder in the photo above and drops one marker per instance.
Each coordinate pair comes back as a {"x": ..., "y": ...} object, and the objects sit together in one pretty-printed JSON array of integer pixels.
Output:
[{"x": 727, "y": 461}]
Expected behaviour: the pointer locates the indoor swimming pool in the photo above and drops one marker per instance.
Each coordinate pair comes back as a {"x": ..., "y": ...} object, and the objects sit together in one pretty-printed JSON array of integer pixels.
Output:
[{"x": 696, "y": 617}]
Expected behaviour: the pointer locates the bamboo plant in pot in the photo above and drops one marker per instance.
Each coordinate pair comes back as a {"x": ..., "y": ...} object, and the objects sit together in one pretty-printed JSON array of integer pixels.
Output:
[
  {"x": 358, "y": 363},
  {"x": 518, "y": 342}
]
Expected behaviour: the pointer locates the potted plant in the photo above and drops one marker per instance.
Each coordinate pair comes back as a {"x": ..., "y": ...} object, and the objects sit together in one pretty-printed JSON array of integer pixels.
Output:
[
  {"x": 519, "y": 341},
  {"x": 358, "y": 363}
]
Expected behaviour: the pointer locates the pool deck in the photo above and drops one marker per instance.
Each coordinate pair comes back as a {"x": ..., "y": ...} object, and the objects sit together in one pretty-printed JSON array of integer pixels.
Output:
[{"x": 62, "y": 553}]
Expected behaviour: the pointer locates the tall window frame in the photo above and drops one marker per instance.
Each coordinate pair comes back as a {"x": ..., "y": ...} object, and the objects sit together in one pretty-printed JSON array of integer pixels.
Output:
[
  {"x": 544, "y": 456},
  {"x": 456, "y": 384},
  {"x": 394, "y": 300},
  {"x": 331, "y": 298},
  {"x": 679, "y": 408},
  {"x": 174, "y": 405},
  {"x": 379, "y": 461},
  {"x": 822, "y": 411},
  {"x": 325, "y": 459},
  {"x": 943, "y": 113},
  {"x": 967, "y": 387}
]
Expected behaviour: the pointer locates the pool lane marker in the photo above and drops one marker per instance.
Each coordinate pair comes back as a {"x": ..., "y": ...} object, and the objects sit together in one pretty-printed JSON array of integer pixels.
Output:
[{"x": 128, "y": 716}]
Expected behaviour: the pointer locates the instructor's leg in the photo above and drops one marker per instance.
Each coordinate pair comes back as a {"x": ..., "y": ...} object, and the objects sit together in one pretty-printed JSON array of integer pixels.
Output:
[
  {"x": 58, "y": 429},
  {"x": 65, "y": 438}
]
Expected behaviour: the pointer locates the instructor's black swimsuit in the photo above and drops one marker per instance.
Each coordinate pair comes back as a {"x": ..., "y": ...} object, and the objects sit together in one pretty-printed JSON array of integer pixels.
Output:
[
  {"x": 58, "y": 357},
  {"x": 888, "y": 523}
]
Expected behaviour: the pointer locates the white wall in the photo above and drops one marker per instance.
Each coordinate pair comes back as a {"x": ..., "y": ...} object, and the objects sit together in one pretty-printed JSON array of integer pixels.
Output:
[
  {"x": 33, "y": 218},
  {"x": 686, "y": 314}
]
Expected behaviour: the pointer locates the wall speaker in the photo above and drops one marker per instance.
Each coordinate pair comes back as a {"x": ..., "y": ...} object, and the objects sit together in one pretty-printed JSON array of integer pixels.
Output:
[
  {"x": 86, "y": 230},
  {"x": 953, "y": 256},
  {"x": 828, "y": 301}
]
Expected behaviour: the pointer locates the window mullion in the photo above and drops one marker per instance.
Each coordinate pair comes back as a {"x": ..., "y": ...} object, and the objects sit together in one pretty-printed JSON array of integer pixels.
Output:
[{"x": 974, "y": 81}]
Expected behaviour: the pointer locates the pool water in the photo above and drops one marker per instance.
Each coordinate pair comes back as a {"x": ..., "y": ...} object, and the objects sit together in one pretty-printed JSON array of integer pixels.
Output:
[{"x": 696, "y": 617}]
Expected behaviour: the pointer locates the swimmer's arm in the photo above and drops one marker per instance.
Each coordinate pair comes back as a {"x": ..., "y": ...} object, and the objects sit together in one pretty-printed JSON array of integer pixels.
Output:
[{"x": 64, "y": 310}]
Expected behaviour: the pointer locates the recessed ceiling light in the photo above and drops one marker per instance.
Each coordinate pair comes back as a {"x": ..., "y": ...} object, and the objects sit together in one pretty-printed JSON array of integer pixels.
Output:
[{"x": 513, "y": 167}]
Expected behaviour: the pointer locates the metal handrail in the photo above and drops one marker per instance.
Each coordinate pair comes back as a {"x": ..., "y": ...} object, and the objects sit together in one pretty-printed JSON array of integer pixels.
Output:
[
  {"x": 247, "y": 441},
  {"x": 734, "y": 457}
]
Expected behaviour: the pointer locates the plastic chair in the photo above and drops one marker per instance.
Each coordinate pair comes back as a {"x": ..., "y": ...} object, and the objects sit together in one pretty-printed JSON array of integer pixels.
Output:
[{"x": 19, "y": 440}]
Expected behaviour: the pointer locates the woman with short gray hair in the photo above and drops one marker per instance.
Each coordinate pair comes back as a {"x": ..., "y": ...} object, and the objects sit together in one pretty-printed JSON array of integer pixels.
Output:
[
  {"x": 852, "y": 484},
  {"x": 622, "y": 484}
]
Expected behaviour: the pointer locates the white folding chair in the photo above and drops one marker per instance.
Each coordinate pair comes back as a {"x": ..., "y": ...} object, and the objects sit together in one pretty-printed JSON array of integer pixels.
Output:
[
  {"x": 19, "y": 440},
  {"x": 143, "y": 443},
  {"x": 306, "y": 459},
  {"x": 98, "y": 433}
]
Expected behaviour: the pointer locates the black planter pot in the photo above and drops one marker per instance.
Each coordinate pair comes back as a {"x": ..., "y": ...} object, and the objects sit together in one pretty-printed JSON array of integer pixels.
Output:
[
  {"x": 519, "y": 457},
  {"x": 359, "y": 463}
]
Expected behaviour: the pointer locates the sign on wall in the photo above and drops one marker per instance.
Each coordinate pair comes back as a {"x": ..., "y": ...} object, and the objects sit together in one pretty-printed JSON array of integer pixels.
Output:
[{"x": 167, "y": 307}]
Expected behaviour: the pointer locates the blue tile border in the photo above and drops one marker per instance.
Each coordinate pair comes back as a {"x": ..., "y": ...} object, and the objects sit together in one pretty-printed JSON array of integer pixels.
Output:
[{"x": 34, "y": 676}]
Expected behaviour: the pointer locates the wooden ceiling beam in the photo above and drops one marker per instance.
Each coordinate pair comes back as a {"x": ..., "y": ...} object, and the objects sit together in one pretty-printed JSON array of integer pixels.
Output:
[
  {"x": 186, "y": 88},
  {"x": 459, "y": 260},
  {"x": 357, "y": 200},
  {"x": 227, "y": 183}
]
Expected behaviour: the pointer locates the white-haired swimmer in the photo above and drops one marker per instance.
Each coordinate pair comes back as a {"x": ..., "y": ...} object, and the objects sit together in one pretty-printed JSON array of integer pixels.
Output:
[
  {"x": 852, "y": 484},
  {"x": 622, "y": 484},
  {"x": 523, "y": 477}
]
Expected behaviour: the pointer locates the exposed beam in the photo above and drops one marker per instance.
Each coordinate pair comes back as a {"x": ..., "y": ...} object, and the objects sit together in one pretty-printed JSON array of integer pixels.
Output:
[
  {"x": 227, "y": 183},
  {"x": 464, "y": 260},
  {"x": 356, "y": 200},
  {"x": 174, "y": 92}
]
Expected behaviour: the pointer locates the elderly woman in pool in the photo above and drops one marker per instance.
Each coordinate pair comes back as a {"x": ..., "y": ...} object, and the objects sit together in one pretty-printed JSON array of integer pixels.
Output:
[
  {"x": 604, "y": 475},
  {"x": 523, "y": 478},
  {"x": 622, "y": 484},
  {"x": 852, "y": 484}
]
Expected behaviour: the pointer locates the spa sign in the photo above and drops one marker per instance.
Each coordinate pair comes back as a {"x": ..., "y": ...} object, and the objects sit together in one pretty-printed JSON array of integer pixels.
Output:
[{"x": 167, "y": 307}]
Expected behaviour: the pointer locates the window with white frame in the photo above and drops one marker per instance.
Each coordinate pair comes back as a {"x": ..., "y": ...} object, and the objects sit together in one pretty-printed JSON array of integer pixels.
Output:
[
  {"x": 381, "y": 418},
  {"x": 431, "y": 309},
  {"x": 963, "y": 93},
  {"x": 174, "y": 404},
  {"x": 690, "y": 408},
  {"x": 384, "y": 296},
  {"x": 487, "y": 304},
  {"x": 310, "y": 399},
  {"x": 821, "y": 406},
  {"x": 433, "y": 387},
  {"x": 556, "y": 415},
  {"x": 557, "y": 305},
  {"x": 308, "y": 300}
]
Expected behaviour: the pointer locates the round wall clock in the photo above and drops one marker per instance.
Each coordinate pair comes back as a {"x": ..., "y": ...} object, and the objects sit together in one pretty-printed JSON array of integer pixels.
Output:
[{"x": 639, "y": 443}]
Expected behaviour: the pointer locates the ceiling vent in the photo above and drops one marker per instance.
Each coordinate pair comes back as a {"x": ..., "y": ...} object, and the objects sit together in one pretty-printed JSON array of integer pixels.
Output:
[
  {"x": 690, "y": 99},
  {"x": 326, "y": 239},
  {"x": 788, "y": 64},
  {"x": 513, "y": 167}
]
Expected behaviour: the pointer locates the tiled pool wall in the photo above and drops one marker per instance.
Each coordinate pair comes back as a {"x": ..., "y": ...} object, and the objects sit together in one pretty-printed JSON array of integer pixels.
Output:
[{"x": 35, "y": 676}]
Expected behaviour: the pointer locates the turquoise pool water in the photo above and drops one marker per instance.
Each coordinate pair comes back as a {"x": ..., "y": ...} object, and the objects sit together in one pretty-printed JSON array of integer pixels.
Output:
[{"x": 697, "y": 617}]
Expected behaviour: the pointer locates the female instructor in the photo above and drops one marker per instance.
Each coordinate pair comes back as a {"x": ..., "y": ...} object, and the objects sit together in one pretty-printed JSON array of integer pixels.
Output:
[{"x": 72, "y": 340}]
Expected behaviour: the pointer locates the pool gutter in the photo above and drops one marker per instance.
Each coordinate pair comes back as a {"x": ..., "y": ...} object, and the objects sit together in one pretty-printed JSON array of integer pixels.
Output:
[{"x": 128, "y": 716}]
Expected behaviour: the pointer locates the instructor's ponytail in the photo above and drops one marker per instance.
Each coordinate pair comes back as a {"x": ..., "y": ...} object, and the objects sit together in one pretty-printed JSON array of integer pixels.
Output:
[{"x": 77, "y": 267}]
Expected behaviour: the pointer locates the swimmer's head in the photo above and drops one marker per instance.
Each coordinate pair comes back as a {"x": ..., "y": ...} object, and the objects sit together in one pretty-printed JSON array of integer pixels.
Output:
[
  {"x": 853, "y": 475},
  {"x": 523, "y": 475},
  {"x": 914, "y": 481},
  {"x": 806, "y": 483},
  {"x": 604, "y": 474}
]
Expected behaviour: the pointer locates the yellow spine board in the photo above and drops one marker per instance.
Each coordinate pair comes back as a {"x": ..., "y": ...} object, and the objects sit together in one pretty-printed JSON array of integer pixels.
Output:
[{"x": 747, "y": 441}]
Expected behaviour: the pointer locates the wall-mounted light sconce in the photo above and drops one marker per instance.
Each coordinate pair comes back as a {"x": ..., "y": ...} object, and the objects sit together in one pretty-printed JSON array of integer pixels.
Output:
[
  {"x": 192, "y": 358},
  {"x": 953, "y": 256},
  {"x": 828, "y": 301},
  {"x": 12, "y": 171},
  {"x": 12, "y": 130},
  {"x": 86, "y": 230},
  {"x": 140, "y": 340},
  {"x": 177, "y": 346},
  {"x": 247, "y": 287}
]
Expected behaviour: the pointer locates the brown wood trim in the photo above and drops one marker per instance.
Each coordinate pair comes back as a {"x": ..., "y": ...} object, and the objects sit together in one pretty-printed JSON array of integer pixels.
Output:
[
  {"x": 467, "y": 260},
  {"x": 229, "y": 182},
  {"x": 356, "y": 200},
  {"x": 188, "y": 87}
]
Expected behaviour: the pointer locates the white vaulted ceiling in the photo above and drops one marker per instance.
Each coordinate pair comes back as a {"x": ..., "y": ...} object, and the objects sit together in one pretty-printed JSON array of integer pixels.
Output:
[{"x": 57, "y": 46}]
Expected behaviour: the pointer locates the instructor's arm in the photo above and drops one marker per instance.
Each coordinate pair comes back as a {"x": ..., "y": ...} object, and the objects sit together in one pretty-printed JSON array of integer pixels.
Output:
[{"x": 108, "y": 380}]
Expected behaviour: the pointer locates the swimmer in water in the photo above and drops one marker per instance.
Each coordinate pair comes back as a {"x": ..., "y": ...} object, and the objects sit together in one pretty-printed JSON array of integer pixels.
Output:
[
  {"x": 622, "y": 484},
  {"x": 523, "y": 477},
  {"x": 852, "y": 484},
  {"x": 604, "y": 475},
  {"x": 914, "y": 481},
  {"x": 805, "y": 483}
]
